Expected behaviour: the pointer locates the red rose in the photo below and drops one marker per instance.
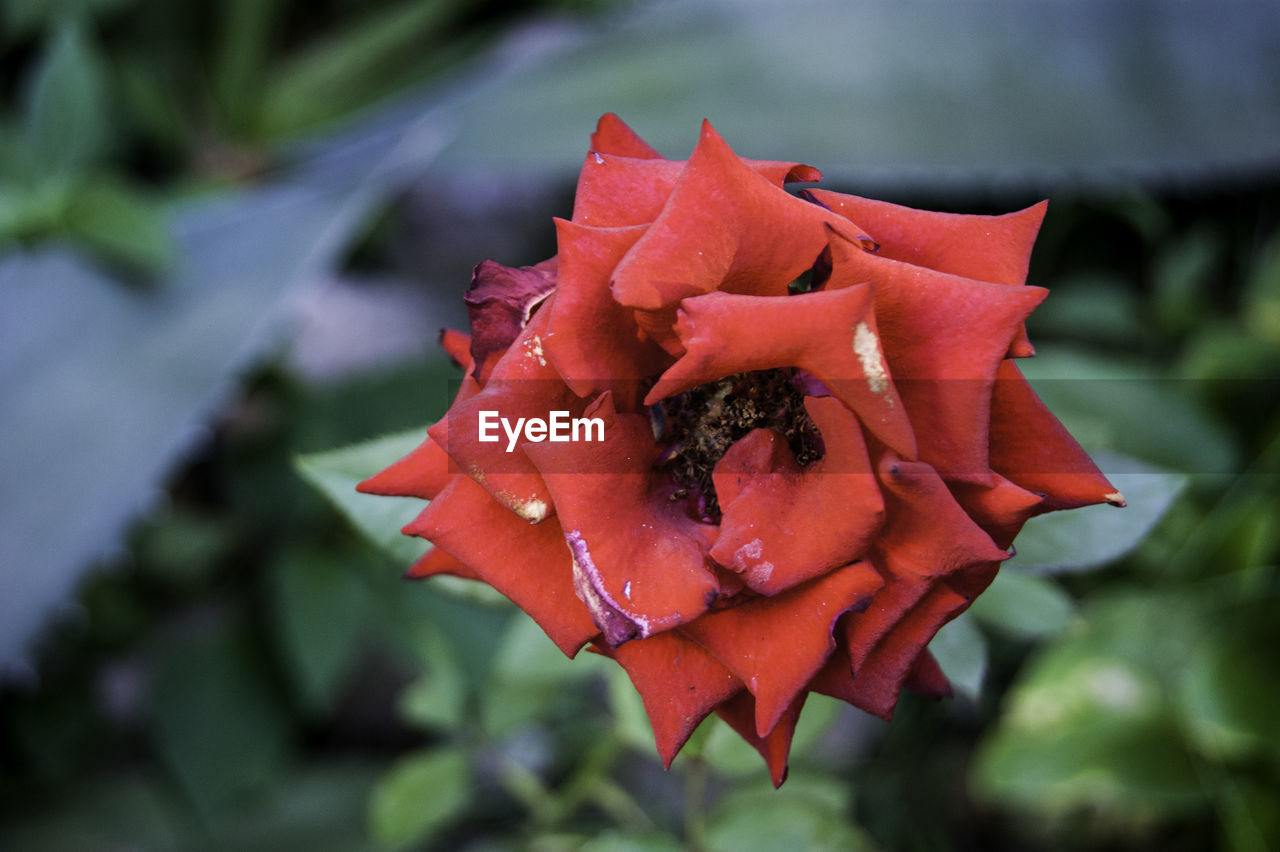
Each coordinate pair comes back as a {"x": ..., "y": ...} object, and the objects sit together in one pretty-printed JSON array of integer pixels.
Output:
[{"x": 815, "y": 447}]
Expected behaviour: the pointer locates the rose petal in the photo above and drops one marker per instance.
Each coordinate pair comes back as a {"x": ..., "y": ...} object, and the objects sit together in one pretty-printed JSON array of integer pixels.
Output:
[
  {"x": 775, "y": 645},
  {"x": 528, "y": 564},
  {"x": 591, "y": 340},
  {"x": 988, "y": 248},
  {"x": 833, "y": 335},
  {"x": 613, "y": 136},
  {"x": 679, "y": 683},
  {"x": 639, "y": 560},
  {"x": 725, "y": 226},
  {"x": 457, "y": 346},
  {"x": 624, "y": 181},
  {"x": 999, "y": 507},
  {"x": 871, "y": 664},
  {"x": 927, "y": 679},
  {"x": 500, "y": 301},
  {"x": 944, "y": 338},
  {"x": 522, "y": 384},
  {"x": 425, "y": 471},
  {"x": 775, "y": 746},
  {"x": 879, "y": 680},
  {"x": 783, "y": 525},
  {"x": 1034, "y": 450},
  {"x": 926, "y": 533},
  {"x": 436, "y": 561}
]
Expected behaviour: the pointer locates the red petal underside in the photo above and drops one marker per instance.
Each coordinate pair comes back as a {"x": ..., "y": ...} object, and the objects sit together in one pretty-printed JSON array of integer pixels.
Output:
[
  {"x": 944, "y": 338},
  {"x": 639, "y": 560},
  {"x": 832, "y": 335},
  {"x": 988, "y": 248},
  {"x": 880, "y": 678},
  {"x": 872, "y": 664},
  {"x": 458, "y": 347},
  {"x": 725, "y": 227},
  {"x": 775, "y": 645},
  {"x": 1034, "y": 450},
  {"x": 436, "y": 561},
  {"x": 591, "y": 340},
  {"x": 529, "y": 564},
  {"x": 679, "y": 683},
  {"x": 774, "y": 747},
  {"x": 522, "y": 384},
  {"x": 500, "y": 301},
  {"x": 927, "y": 679},
  {"x": 613, "y": 136},
  {"x": 1000, "y": 508},
  {"x": 926, "y": 533},
  {"x": 783, "y": 525},
  {"x": 425, "y": 471},
  {"x": 422, "y": 474},
  {"x": 621, "y": 190}
]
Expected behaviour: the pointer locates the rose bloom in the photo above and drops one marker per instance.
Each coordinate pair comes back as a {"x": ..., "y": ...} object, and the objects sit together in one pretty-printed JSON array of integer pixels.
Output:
[{"x": 817, "y": 446}]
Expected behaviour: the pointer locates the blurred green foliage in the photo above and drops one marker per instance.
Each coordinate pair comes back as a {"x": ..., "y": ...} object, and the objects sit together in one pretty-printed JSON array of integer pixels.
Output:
[{"x": 252, "y": 673}]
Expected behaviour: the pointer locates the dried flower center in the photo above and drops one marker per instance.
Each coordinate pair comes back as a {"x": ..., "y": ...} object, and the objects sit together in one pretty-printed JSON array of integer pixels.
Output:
[{"x": 698, "y": 427}]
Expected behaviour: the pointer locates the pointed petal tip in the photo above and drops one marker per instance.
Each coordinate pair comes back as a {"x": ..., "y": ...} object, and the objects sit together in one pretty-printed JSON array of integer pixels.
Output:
[{"x": 1115, "y": 498}]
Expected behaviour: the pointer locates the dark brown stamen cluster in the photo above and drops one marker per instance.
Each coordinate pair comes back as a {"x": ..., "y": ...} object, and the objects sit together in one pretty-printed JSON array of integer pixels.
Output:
[{"x": 696, "y": 428}]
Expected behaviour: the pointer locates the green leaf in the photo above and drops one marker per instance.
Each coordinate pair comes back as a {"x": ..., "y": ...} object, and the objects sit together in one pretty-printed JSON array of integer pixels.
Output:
[
  {"x": 1262, "y": 294},
  {"x": 421, "y": 793},
  {"x": 617, "y": 841},
  {"x": 532, "y": 680},
  {"x": 1230, "y": 689},
  {"x": 809, "y": 812},
  {"x": 1129, "y": 409},
  {"x": 1023, "y": 605},
  {"x": 320, "y": 611},
  {"x": 147, "y": 369},
  {"x": 216, "y": 722},
  {"x": 438, "y": 698},
  {"x": 1183, "y": 278},
  {"x": 120, "y": 225},
  {"x": 337, "y": 472},
  {"x": 961, "y": 651},
  {"x": 66, "y": 123},
  {"x": 1090, "y": 723},
  {"x": 1088, "y": 538},
  {"x": 366, "y": 60}
]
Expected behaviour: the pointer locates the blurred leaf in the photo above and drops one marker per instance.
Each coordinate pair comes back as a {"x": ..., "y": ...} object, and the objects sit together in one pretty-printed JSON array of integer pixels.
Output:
[
  {"x": 1023, "y": 605},
  {"x": 1230, "y": 689},
  {"x": 121, "y": 811},
  {"x": 216, "y": 721},
  {"x": 355, "y": 66},
  {"x": 66, "y": 123},
  {"x": 239, "y": 66},
  {"x": 961, "y": 651},
  {"x": 616, "y": 841},
  {"x": 437, "y": 699},
  {"x": 1116, "y": 405},
  {"x": 119, "y": 224},
  {"x": 1089, "y": 723},
  {"x": 532, "y": 679},
  {"x": 1098, "y": 307},
  {"x": 1088, "y": 538},
  {"x": 421, "y": 793},
  {"x": 337, "y": 472},
  {"x": 23, "y": 17},
  {"x": 1182, "y": 279},
  {"x": 809, "y": 812},
  {"x": 727, "y": 752},
  {"x": 1262, "y": 293},
  {"x": 181, "y": 546},
  {"x": 321, "y": 608},
  {"x": 956, "y": 101},
  {"x": 140, "y": 372}
]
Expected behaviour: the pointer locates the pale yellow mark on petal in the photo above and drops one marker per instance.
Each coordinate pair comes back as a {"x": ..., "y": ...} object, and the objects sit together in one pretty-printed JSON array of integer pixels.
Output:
[
  {"x": 534, "y": 347},
  {"x": 1115, "y": 498},
  {"x": 867, "y": 347}
]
